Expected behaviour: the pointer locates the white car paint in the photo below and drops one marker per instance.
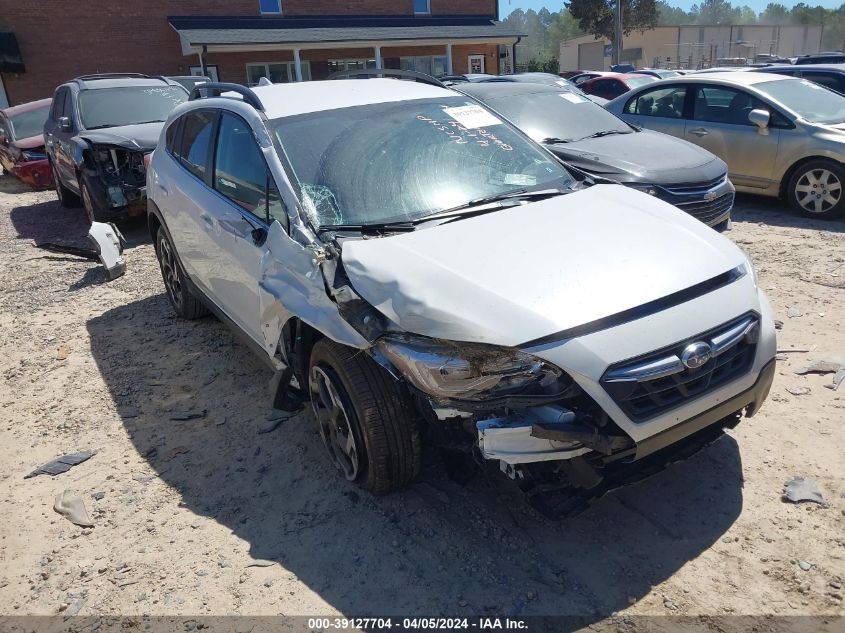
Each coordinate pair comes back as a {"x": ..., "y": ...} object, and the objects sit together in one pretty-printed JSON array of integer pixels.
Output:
[{"x": 506, "y": 278}]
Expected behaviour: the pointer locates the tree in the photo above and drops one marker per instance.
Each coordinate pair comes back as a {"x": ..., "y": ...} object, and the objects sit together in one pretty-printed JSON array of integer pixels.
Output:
[
  {"x": 667, "y": 15},
  {"x": 774, "y": 13},
  {"x": 714, "y": 12},
  {"x": 597, "y": 16}
]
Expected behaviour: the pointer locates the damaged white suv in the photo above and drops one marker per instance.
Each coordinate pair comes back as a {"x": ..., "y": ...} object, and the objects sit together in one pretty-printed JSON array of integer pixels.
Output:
[{"x": 424, "y": 271}]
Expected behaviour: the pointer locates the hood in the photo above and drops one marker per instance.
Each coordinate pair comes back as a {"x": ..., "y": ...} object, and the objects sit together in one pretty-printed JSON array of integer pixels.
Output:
[
  {"x": 525, "y": 272},
  {"x": 31, "y": 142},
  {"x": 141, "y": 137},
  {"x": 643, "y": 157}
]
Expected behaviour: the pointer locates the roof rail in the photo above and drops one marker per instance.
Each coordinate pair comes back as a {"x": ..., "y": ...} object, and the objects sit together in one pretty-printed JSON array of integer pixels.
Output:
[
  {"x": 366, "y": 73},
  {"x": 217, "y": 88},
  {"x": 113, "y": 76}
]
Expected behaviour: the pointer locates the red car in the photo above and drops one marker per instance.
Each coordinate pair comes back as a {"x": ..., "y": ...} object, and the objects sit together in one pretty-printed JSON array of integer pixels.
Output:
[
  {"x": 22, "y": 143},
  {"x": 611, "y": 85}
]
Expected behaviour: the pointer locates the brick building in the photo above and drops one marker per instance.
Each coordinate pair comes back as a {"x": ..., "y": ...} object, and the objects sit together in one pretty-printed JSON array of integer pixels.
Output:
[{"x": 242, "y": 40}]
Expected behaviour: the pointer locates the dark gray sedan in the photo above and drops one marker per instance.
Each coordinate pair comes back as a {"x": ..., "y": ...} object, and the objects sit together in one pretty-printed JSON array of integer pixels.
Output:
[{"x": 592, "y": 139}]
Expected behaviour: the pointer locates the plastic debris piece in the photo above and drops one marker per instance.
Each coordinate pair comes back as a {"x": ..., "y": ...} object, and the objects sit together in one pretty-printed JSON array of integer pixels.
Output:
[
  {"x": 275, "y": 420},
  {"x": 800, "y": 489},
  {"x": 69, "y": 249},
  {"x": 61, "y": 464},
  {"x": 70, "y": 505},
  {"x": 778, "y": 324},
  {"x": 838, "y": 379},
  {"x": 826, "y": 366},
  {"x": 798, "y": 391},
  {"x": 188, "y": 415},
  {"x": 107, "y": 241},
  {"x": 794, "y": 312},
  {"x": 261, "y": 562}
]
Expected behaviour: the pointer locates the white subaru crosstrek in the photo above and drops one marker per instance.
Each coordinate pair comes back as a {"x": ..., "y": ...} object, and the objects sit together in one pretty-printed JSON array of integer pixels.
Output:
[{"x": 419, "y": 269}]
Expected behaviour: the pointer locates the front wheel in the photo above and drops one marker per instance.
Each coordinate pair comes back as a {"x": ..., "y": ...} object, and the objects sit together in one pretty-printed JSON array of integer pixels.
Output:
[
  {"x": 66, "y": 197},
  {"x": 185, "y": 304},
  {"x": 816, "y": 189},
  {"x": 369, "y": 431}
]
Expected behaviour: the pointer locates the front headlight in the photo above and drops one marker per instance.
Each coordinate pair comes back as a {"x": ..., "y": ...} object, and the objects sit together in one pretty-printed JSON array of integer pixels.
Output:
[
  {"x": 471, "y": 371},
  {"x": 649, "y": 189}
]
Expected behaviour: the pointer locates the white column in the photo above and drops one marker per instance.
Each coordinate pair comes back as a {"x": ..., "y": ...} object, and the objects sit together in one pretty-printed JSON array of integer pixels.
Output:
[
  {"x": 378, "y": 56},
  {"x": 297, "y": 64},
  {"x": 448, "y": 59}
]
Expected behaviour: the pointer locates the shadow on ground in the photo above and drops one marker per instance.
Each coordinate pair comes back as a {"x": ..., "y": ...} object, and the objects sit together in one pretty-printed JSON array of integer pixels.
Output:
[
  {"x": 750, "y": 208},
  {"x": 436, "y": 548}
]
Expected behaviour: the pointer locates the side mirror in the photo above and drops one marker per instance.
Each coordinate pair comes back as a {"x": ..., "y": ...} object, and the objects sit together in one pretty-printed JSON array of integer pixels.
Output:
[
  {"x": 64, "y": 124},
  {"x": 760, "y": 118}
]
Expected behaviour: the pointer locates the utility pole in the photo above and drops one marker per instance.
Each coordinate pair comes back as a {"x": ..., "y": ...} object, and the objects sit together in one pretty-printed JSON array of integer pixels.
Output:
[{"x": 617, "y": 34}]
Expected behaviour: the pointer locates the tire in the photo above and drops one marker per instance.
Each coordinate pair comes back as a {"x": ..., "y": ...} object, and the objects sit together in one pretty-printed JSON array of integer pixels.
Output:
[
  {"x": 66, "y": 197},
  {"x": 184, "y": 303},
  {"x": 353, "y": 398},
  {"x": 817, "y": 189}
]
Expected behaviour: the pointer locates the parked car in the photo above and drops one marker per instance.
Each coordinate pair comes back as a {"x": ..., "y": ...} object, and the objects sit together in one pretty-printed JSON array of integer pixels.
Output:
[
  {"x": 569, "y": 74},
  {"x": 546, "y": 79},
  {"x": 450, "y": 80},
  {"x": 657, "y": 73},
  {"x": 828, "y": 75},
  {"x": 354, "y": 234},
  {"x": 189, "y": 82},
  {"x": 22, "y": 143},
  {"x": 99, "y": 135},
  {"x": 589, "y": 74},
  {"x": 780, "y": 136},
  {"x": 594, "y": 140},
  {"x": 611, "y": 86},
  {"x": 834, "y": 57}
]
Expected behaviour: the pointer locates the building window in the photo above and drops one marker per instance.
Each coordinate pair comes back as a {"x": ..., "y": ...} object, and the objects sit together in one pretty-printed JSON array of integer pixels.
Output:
[
  {"x": 422, "y": 6},
  {"x": 338, "y": 65},
  {"x": 270, "y": 6},
  {"x": 276, "y": 72},
  {"x": 433, "y": 65}
]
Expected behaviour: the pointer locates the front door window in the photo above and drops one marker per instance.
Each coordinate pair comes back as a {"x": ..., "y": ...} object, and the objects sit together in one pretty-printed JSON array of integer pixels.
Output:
[{"x": 476, "y": 64}]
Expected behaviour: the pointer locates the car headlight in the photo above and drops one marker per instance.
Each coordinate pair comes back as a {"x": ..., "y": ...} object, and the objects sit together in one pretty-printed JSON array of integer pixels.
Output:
[
  {"x": 649, "y": 189},
  {"x": 471, "y": 371}
]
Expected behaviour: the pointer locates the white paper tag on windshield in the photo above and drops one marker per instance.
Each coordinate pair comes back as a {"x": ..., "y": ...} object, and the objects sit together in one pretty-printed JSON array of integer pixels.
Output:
[
  {"x": 574, "y": 98},
  {"x": 472, "y": 116}
]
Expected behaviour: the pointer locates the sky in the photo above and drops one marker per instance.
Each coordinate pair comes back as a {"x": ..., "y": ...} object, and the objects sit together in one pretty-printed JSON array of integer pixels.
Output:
[{"x": 506, "y": 6}]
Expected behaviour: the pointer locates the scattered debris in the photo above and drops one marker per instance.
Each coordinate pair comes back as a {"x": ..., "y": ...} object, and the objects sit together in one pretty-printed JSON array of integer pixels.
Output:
[
  {"x": 61, "y": 464},
  {"x": 62, "y": 352},
  {"x": 189, "y": 415},
  {"x": 805, "y": 566},
  {"x": 778, "y": 324},
  {"x": 781, "y": 356},
  {"x": 275, "y": 420},
  {"x": 838, "y": 378},
  {"x": 98, "y": 496},
  {"x": 800, "y": 489},
  {"x": 798, "y": 391},
  {"x": 177, "y": 450},
  {"x": 70, "y": 505},
  {"x": 69, "y": 249},
  {"x": 108, "y": 244},
  {"x": 261, "y": 562},
  {"x": 826, "y": 366},
  {"x": 793, "y": 313},
  {"x": 793, "y": 351}
]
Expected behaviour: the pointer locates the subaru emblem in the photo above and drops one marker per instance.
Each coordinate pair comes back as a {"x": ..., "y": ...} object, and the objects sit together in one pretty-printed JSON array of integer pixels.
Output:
[{"x": 696, "y": 354}]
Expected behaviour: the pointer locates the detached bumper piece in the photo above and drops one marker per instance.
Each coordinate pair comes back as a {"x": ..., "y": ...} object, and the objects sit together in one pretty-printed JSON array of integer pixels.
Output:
[{"x": 108, "y": 242}]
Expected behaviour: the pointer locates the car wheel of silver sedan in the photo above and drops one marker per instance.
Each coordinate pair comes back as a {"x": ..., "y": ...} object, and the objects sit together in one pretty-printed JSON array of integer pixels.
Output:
[
  {"x": 817, "y": 189},
  {"x": 367, "y": 427}
]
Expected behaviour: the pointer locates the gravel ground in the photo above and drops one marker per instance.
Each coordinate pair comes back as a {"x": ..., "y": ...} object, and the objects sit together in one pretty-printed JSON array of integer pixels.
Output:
[{"x": 183, "y": 509}]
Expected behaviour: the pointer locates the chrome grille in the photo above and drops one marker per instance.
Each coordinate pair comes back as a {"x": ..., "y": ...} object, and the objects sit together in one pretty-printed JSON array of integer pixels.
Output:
[
  {"x": 693, "y": 187},
  {"x": 708, "y": 210},
  {"x": 660, "y": 381}
]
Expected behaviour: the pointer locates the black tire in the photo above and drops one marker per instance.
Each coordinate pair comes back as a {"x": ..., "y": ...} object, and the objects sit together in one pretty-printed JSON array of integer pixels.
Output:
[
  {"x": 382, "y": 425},
  {"x": 185, "y": 304},
  {"x": 817, "y": 189},
  {"x": 66, "y": 197}
]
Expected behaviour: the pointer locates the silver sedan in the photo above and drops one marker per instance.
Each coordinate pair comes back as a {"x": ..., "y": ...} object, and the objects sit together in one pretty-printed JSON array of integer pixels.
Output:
[{"x": 780, "y": 136}]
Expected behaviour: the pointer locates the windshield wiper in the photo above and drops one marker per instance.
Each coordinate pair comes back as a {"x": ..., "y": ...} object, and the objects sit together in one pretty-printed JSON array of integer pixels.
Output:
[
  {"x": 554, "y": 140},
  {"x": 606, "y": 133},
  {"x": 375, "y": 227},
  {"x": 466, "y": 210}
]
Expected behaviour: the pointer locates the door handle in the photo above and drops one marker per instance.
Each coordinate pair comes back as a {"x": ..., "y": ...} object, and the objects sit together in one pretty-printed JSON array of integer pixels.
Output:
[{"x": 699, "y": 132}]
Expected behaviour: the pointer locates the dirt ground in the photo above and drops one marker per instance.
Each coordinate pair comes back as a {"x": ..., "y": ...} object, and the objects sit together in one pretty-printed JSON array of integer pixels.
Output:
[{"x": 182, "y": 509}]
